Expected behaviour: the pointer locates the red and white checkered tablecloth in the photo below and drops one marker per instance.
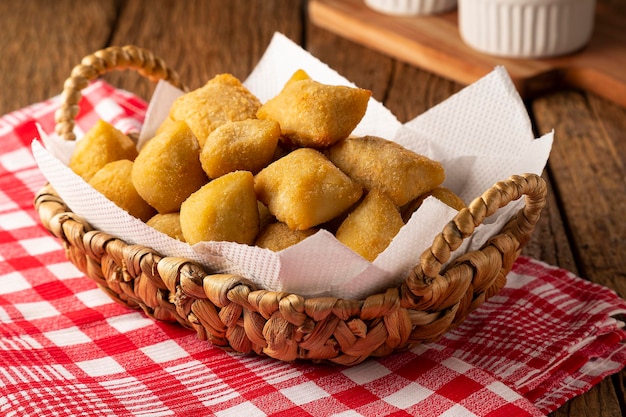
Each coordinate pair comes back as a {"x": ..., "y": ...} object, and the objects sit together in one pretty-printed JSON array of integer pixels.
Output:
[{"x": 67, "y": 349}]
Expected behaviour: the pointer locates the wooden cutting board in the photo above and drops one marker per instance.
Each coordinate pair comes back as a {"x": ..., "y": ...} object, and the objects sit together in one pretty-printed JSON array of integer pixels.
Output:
[{"x": 434, "y": 43}]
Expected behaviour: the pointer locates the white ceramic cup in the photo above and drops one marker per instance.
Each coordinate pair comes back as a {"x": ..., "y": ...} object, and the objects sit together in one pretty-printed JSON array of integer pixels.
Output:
[{"x": 526, "y": 28}]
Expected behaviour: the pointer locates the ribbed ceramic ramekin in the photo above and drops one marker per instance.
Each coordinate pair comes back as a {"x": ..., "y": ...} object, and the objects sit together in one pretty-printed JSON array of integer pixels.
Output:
[
  {"x": 411, "y": 7},
  {"x": 526, "y": 28}
]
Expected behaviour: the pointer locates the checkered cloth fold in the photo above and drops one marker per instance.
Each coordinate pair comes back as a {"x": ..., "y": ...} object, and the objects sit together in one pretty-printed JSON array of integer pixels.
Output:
[{"x": 67, "y": 349}]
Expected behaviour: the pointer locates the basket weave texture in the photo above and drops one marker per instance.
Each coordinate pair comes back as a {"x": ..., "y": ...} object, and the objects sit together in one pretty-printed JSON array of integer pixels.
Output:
[{"x": 231, "y": 312}]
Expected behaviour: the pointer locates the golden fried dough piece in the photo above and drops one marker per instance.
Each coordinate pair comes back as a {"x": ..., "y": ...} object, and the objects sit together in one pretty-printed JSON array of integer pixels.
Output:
[
  {"x": 369, "y": 229},
  {"x": 223, "y": 210},
  {"x": 222, "y": 99},
  {"x": 316, "y": 115},
  {"x": 168, "y": 169},
  {"x": 299, "y": 75},
  {"x": 443, "y": 194},
  {"x": 246, "y": 145},
  {"x": 377, "y": 163},
  {"x": 102, "y": 144},
  {"x": 168, "y": 223},
  {"x": 304, "y": 189},
  {"x": 278, "y": 236},
  {"x": 448, "y": 196},
  {"x": 113, "y": 181}
]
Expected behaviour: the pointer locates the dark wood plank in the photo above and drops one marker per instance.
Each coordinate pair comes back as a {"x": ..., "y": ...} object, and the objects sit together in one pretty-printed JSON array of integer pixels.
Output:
[
  {"x": 588, "y": 171},
  {"x": 619, "y": 382},
  {"x": 588, "y": 174},
  {"x": 549, "y": 243},
  {"x": 611, "y": 120},
  {"x": 600, "y": 401},
  {"x": 39, "y": 45},
  {"x": 200, "y": 39}
]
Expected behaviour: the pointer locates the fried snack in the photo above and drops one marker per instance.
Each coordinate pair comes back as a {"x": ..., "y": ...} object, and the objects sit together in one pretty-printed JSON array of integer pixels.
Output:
[
  {"x": 223, "y": 210},
  {"x": 168, "y": 223},
  {"x": 370, "y": 227},
  {"x": 304, "y": 189},
  {"x": 443, "y": 194},
  {"x": 377, "y": 163},
  {"x": 299, "y": 75},
  {"x": 278, "y": 236},
  {"x": 246, "y": 145},
  {"x": 102, "y": 144},
  {"x": 315, "y": 115},
  {"x": 448, "y": 196},
  {"x": 222, "y": 99},
  {"x": 113, "y": 181},
  {"x": 168, "y": 169}
]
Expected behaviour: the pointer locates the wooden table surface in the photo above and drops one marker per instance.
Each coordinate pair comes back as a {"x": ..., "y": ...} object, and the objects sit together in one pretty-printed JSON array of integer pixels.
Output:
[{"x": 583, "y": 228}]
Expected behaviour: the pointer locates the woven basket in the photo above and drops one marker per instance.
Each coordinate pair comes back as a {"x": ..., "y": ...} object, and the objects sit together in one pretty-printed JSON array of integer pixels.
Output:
[{"x": 231, "y": 312}]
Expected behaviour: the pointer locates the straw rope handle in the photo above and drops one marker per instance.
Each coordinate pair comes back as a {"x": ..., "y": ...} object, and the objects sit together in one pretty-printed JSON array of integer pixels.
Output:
[
  {"x": 517, "y": 232},
  {"x": 99, "y": 63}
]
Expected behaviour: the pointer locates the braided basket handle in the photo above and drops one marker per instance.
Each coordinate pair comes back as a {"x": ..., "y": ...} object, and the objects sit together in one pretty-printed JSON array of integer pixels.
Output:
[
  {"x": 99, "y": 63},
  {"x": 517, "y": 231}
]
